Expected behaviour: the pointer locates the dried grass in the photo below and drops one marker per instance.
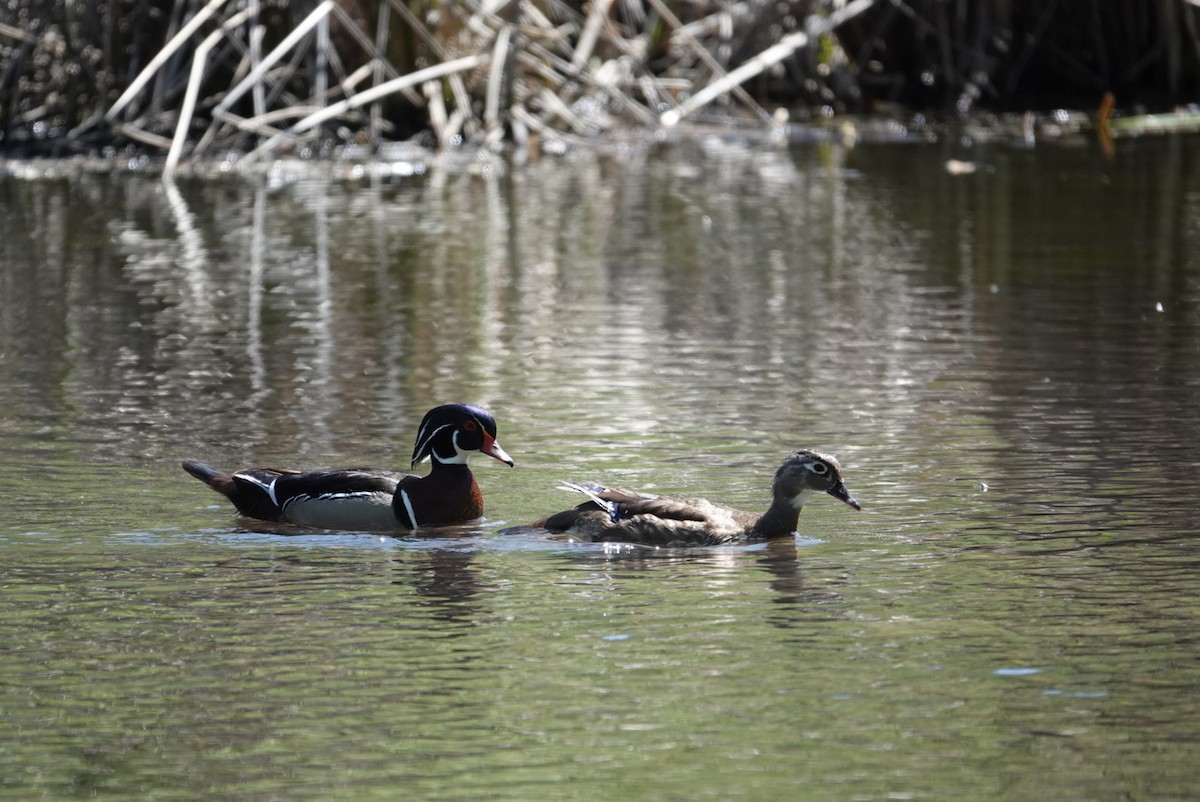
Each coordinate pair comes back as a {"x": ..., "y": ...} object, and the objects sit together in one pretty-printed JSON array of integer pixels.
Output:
[{"x": 197, "y": 78}]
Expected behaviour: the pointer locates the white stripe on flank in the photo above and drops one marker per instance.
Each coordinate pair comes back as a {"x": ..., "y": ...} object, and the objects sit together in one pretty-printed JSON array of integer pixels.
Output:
[{"x": 412, "y": 516}]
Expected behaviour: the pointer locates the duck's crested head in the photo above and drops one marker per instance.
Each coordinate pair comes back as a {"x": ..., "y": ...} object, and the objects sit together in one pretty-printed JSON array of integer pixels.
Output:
[
  {"x": 451, "y": 433},
  {"x": 805, "y": 472}
]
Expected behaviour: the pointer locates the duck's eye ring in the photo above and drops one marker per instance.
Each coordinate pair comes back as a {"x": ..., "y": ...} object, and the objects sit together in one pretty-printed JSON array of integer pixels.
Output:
[
  {"x": 819, "y": 468},
  {"x": 469, "y": 425}
]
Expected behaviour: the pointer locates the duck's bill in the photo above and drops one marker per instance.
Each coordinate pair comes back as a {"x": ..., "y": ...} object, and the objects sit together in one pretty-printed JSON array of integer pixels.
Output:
[
  {"x": 840, "y": 492},
  {"x": 493, "y": 449}
]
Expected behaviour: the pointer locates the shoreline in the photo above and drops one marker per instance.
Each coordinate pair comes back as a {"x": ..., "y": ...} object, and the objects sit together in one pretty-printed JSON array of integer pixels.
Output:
[
  {"x": 217, "y": 77},
  {"x": 401, "y": 159}
]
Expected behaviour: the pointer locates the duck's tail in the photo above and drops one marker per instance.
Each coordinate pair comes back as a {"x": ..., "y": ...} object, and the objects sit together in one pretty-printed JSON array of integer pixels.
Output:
[
  {"x": 219, "y": 481},
  {"x": 246, "y": 489},
  {"x": 593, "y": 491},
  {"x": 202, "y": 472}
]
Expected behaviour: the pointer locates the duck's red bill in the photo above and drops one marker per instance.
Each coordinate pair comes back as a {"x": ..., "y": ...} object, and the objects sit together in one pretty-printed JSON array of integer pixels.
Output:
[{"x": 493, "y": 449}]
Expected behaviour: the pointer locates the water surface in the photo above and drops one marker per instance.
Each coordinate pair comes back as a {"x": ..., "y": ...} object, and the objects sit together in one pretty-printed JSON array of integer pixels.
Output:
[{"x": 1007, "y": 363}]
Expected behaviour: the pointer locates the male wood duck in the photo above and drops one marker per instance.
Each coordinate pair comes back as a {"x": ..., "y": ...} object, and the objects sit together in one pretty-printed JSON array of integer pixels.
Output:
[
  {"x": 627, "y": 516},
  {"x": 367, "y": 499}
]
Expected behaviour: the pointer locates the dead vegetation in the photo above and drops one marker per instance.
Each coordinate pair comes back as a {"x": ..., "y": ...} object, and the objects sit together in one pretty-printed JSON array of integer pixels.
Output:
[{"x": 196, "y": 78}]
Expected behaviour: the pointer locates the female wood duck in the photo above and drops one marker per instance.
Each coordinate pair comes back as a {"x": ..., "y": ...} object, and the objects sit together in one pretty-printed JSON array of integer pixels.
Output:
[
  {"x": 626, "y": 516},
  {"x": 379, "y": 500}
]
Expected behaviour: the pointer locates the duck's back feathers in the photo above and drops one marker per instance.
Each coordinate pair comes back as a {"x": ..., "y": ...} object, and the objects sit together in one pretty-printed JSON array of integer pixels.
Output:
[
  {"x": 627, "y": 516},
  {"x": 619, "y": 515},
  {"x": 343, "y": 499}
]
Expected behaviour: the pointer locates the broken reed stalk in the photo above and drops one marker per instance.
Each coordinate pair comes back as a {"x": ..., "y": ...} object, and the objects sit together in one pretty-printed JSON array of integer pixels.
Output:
[
  {"x": 257, "y": 32},
  {"x": 491, "y": 109},
  {"x": 199, "y": 61},
  {"x": 372, "y": 94},
  {"x": 177, "y": 41},
  {"x": 591, "y": 32},
  {"x": 321, "y": 51},
  {"x": 533, "y": 123},
  {"x": 438, "y": 119},
  {"x": 382, "y": 30},
  {"x": 18, "y": 34},
  {"x": 280, "y": 50},
  {"x": 767, "y": 58},
  {"x": 368, "y": 46},
  {"x": 704, "y": 55}
]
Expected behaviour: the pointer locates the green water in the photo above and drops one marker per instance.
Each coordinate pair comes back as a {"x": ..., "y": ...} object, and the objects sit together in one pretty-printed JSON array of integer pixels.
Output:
[
  {"x": 1007, "y": 364},
  {"x": 235, "y": 666}
]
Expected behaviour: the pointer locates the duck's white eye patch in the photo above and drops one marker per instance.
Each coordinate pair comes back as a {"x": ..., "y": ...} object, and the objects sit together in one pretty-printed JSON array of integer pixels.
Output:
[{"x": 819, "y": 468}]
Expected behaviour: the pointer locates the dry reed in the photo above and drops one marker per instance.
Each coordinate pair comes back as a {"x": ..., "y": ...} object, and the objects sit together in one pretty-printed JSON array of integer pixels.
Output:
[{"x": 195, "y": 78}]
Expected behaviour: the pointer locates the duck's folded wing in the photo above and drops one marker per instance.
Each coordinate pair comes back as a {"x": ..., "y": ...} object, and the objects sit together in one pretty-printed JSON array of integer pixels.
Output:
[
  {"x": 619, "y": 503},
  {"x": 283, "y": 485},
  {"x": 342, "y": 496},
  {"x": 656, "y": 530},
  {"x": 629, "y": 503}
]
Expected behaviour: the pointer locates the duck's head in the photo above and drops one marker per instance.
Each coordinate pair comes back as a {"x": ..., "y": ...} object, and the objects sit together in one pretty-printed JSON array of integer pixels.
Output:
[
  {"x": 806, "y": 472},
  {"x": 451, "y": 433}
]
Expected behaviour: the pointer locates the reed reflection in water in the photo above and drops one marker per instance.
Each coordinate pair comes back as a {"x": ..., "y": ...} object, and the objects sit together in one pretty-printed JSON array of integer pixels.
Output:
[{"x": 1006, "y": 364}]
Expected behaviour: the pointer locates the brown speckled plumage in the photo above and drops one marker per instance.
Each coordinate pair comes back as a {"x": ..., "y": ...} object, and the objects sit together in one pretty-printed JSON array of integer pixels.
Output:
[{"x": 627, "y": 516}]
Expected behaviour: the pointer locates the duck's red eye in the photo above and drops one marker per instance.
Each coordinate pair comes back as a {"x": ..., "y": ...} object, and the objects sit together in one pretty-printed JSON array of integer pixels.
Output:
[{"x": 469, "y": 425}]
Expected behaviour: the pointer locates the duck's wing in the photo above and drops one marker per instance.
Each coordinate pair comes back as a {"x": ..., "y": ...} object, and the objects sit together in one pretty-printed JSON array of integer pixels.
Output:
[
  {"x": 618, "y": 503},
  {"x": 618, "y": 515},
  {"x": 288, "y": 484},
  {"x": 655, "y": 530},
  {"x": 340, "y": 499}
]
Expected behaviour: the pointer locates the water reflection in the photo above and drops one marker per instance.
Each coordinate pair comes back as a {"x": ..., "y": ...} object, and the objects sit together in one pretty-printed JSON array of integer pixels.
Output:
[
  {"x": 310, "y": 318},
  {"x": 315, "y": 316},
  {"x": 1007, "y": 365},
  {"x": 449, "y": 581}
]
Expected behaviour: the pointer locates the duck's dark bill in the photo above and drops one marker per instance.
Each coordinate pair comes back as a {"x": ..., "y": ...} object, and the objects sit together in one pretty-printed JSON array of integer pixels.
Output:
[{"x": 840, "y": 492}]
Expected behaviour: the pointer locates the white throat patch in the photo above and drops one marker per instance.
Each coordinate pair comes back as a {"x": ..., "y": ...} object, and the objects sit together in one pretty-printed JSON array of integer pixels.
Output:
[
  {"x": 459, "y": 457},
  {"x": 801, "y": 498}
]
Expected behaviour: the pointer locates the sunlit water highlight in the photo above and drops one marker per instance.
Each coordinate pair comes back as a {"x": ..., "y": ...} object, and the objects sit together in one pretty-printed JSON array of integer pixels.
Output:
[{"x": 1006, "y": 363}]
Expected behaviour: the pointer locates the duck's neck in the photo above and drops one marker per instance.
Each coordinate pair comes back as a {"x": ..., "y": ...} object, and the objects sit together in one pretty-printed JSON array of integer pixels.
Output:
[
  {"x": 780, "y": 519},
  {"x": 454, "y": 483},
  {"x": 447, "y": 495}
]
